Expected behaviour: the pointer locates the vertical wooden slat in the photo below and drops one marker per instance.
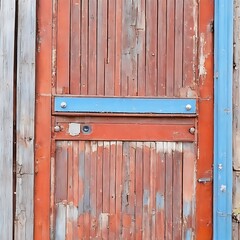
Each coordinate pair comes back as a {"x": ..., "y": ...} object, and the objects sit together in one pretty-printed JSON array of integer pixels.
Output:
[
  {"x": 162, "y": 46},
  {"x": 92, "y": 48},
  {"x": 109, "y": 67},
  {"x": 141, "y": 44},
  {"x": 170, "y": 47},
  {"x": 178, "y": 58},
  {"x": 84, "y": 46},
  {"x": 151, "y": 48},
  {"x": 101, "y": 46},
  {"x": 160, "y": 191},
  {"x": 168, "y": 149},
  {"x": 99, "y": 187},
  {"x": 119, "y": 187},
  {"x": 25, "y": 119},
  {"x": 188, "y": 191},
  {"x": 81, "y": 171},
  {"x": 86, "y": 193},
  {"x": 63, "y": 47},
  {"x": 43, "y": 121},
  {"x": 106, "y": 190},
  {"x": 177, "y": 192},
  {"x": 146, "y": 190},
  {"x": 236, "y": 117},
  {"x": 75, "y": 58},
  {"x": 93, "y": 190},
  {"x": 7, "y": 37},
  {"x": 118, "y": 40},
  {"x": 153, "y": 178},
  {"x": 139, "y": 190},
  {"x": 112, "y": 208}
]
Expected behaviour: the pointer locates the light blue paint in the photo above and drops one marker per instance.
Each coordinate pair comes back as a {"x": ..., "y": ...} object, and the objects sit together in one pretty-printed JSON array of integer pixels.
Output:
[
  {"x": 124, "y": 105},
  {"x": 146, "y": 198},
  {"x": 223, "y": 52},
  {"x": 188, "y": 234},
  {"x": 159, "y": 201},
  {"x": 187, "y": 206}
]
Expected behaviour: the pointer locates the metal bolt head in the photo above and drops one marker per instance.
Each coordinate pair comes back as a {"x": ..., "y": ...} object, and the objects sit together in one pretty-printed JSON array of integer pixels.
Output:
[
  {"x": 188, "y": 107},
  {"x": 63, "y": 104},
  {"x": 57, "y": 128},
  {"x": 192, "y": 130}
]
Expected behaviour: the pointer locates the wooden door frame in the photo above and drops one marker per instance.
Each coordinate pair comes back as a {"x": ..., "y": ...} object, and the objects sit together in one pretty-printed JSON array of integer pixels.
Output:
[{"x": 223, "y": 74}]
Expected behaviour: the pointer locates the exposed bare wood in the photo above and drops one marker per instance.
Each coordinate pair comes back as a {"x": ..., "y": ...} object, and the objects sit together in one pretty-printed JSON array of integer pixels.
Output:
[
  {"x": 25, "y": 119},
  {"x": 7, "y": 25}
]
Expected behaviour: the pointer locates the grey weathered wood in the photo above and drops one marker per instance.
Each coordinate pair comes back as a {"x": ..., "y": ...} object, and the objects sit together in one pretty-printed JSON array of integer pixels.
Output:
[
  {"x": 236, "y": 121},
  {"x": 236, "y": 88},
  {"x": 25, "y": 119},
  {"x": 7, "y": 26}
]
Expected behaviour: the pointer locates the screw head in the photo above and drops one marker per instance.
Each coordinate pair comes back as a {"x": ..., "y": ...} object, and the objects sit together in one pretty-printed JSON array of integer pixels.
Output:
[
  {"x": 192, "y": 130},
  {"x": 57, "y": 128},
  {"x": 63, "y": 104},
  {"x": 188, "y": 107}
]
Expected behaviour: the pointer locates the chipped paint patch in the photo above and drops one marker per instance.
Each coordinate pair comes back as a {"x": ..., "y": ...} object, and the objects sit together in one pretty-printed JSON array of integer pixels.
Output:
[
  {"x": 74, "y": 129},
  {"x": 189, "y": 234},
  {"x": 103, "y": 220},
  {"x": 186, "y": 209},
  {"x": 146, "y": 198},
  {"x": 159, "y": 201},
  {"x": 202, "y": 57}
]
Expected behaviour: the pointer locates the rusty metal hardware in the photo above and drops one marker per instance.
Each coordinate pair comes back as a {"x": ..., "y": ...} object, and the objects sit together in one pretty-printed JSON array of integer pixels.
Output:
[{"x": 204, "y": 180}]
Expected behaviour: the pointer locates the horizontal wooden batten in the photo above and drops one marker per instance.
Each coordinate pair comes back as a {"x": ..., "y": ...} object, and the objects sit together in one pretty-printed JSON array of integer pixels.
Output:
[
  {"x": 124, "y": 105},
  {"x": 124, "y": 132}
]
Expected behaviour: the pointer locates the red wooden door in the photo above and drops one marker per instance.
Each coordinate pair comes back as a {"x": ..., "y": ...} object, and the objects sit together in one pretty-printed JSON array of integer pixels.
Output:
[{"x": 138, "y": 174}]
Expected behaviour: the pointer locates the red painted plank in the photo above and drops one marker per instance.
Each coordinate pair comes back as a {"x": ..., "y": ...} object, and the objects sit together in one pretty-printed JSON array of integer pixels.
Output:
[
  {"x": 169, "y": 148},
  {"x": 63, "y": 43},
  {"x": 101, "y": 46},
  {"x": 170, "y": 47},
  {"x": 146, "y": 191},
  {"x": 119, "y": 187},
  {"x": 160, "y": 191},
  {"x": 81, "y": 189},
  {"x": 99, "y": 187},
  {"x": 139, "y": 190},
  {"x": 131, "y": 132},
  {"x": 162, "y": 47},
  {"x": 106, "y": 189},
  {"x": 189, "y": 185},
  {"x": 75, "y": 48},
  {"x": 61, "y": 173},
  {"x": 93, "y": 190},
  {"x": 178, "y": 63},
  {"x": 110, "y": 61},
  {"x": 151, "y": 48},
  {"x": 112, "y": 169},
  {"x": 84, "y": 47},
  {"x": 177, "y": 191},
  {"x": 92, "y": 48}
]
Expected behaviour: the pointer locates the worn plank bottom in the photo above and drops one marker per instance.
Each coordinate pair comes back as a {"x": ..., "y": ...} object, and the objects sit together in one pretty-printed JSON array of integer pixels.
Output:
[{"x": 124, "y": 190}]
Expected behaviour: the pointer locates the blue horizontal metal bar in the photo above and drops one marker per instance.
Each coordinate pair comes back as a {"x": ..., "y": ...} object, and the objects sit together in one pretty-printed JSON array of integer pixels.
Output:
[
  {"x": 124, "y": 105},
  {"x": 223, "y": 52}
]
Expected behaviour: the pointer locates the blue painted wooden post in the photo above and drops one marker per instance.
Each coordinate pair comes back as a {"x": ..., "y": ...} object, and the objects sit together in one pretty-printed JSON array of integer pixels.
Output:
[{"x": 223, "y": 119}]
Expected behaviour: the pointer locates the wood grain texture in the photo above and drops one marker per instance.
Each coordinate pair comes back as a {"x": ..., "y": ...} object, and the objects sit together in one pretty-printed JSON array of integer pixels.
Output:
[
  {"x": 7, "y": 38},
  {"x": 127, "y": 48},
  {"x": 124, "y": 190},
  {"x": 25, "y": 117},
  {"x": 236, "y": 117}
]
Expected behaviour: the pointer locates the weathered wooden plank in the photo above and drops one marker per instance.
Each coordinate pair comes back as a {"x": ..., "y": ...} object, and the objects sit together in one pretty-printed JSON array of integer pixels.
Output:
[
  {"x": 7, "y": 36},
  {"x": 236, "y": 87},
  {"x": 25, "y": 117}
]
